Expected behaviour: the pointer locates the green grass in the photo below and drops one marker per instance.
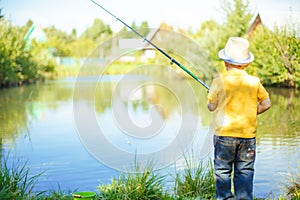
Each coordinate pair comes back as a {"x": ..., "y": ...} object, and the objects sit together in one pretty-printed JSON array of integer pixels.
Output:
[
  {"x": 196, "y": 181},
  {"x": 55, "y": 195},
  {"x": 15, "y": 182},
  {"x": 66, "y": 71},
  {"x": 139, "y": 185},
  {"x": 292, "y": 188},
  {"x": 112, "y": 69}
]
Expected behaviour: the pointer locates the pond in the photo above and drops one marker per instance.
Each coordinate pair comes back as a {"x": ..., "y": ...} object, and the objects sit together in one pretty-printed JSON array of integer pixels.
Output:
[{"x": 81, "y": 131}]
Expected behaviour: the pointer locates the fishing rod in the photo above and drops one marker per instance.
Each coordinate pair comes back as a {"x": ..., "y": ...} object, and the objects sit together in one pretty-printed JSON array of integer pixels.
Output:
[{"x": 156, "y": 47}]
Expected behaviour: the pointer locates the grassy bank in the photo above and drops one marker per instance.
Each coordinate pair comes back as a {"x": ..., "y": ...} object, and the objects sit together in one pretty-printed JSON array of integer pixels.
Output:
[
  {"x": 195, "y": 181},
  {"x": 114, "y": 69}
]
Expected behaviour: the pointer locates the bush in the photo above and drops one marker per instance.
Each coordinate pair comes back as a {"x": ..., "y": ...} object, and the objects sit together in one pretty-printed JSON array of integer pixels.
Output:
[
  {"x": 18, "y": 64},
  {"x": 277, "y": 57}
]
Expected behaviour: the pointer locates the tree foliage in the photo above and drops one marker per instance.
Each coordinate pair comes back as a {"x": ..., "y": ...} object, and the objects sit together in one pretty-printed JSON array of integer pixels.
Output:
[
  {"x": 143, "y": 29},
  {"x": 59, "y": 40},
  {"x": 213, "y": 36},
  {"x": 276, "y": 51},
  {"x": 98, "y": 32},
  {"x": 277, "y": 57},
  {"x": 238, "y": 17},
  {"x": 18, "y": 64}
]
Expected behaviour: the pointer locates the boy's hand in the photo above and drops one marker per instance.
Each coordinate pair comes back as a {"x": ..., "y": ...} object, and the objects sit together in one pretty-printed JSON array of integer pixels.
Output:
[{"x": 263, "y": 106}]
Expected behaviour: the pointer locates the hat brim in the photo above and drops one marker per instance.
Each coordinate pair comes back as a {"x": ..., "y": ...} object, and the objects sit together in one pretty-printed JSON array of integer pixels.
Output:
[{"x": 222, "y": 56}]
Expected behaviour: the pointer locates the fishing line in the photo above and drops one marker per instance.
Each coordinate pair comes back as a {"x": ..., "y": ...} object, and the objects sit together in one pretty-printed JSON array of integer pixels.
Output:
[{"x": 156, "y": 47}]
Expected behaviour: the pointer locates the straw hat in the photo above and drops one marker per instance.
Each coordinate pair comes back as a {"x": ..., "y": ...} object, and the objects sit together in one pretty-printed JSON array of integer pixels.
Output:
[{"x": 236, "y": 51}]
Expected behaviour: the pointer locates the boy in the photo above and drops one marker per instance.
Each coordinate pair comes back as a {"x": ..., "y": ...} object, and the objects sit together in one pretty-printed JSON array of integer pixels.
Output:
[{"x": 237, "y": 98}]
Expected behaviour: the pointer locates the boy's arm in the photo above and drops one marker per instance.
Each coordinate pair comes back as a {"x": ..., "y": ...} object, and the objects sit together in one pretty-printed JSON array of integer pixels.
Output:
[
  {"x": 263, "y": 106},
  {"x": 212, "y": 96}
]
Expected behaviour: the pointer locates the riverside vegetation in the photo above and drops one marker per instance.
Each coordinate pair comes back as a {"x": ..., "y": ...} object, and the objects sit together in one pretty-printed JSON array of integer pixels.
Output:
[
  {"x": 195, "y": 182},
  {"x": 277, "y": 50}
]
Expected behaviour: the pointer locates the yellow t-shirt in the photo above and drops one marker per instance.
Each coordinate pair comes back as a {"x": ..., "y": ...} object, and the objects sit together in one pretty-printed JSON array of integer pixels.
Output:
[{"x": 237, "y": 95}]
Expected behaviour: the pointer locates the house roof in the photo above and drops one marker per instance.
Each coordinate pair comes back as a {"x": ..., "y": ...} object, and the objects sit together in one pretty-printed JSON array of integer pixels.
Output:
[
  {"x": 256, "y": 22},
  {"x": 35, "y": 32}
]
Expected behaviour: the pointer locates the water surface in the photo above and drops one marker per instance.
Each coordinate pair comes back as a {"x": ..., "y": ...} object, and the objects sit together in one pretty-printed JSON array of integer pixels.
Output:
[{"x": 39, "y": 125}]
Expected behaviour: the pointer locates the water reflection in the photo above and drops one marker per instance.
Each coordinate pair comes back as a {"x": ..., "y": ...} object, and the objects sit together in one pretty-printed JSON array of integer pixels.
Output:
[
  {"x": 168, "y": 117},
  {"x": 284, "y": 117},
  {"x": 37, "y": 124},
  {"x": 278, "y": 141}
]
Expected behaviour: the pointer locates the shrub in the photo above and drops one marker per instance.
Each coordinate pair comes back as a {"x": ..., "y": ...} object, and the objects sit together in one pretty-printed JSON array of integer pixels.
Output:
[{"x": 18, "y": 63}]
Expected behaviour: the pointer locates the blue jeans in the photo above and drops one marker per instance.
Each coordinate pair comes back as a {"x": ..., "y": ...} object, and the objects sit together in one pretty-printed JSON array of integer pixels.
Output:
[{"x": 237, "y": 154}]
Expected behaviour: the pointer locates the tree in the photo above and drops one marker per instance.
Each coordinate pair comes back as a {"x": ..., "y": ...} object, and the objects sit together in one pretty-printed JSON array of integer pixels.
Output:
[
  {"x": 144, "y": 28},
  {"x": 213, "y": 36},
  {"x": 18, "y": 64},
  {"x": 1, "y": 16},
  {"x": 238, "y": 16},
  {"x": 60, "y": 40},
  {"x": 277, "y": 57},
  {"x": 98, "y": 32},
  {"x": 81, "y": 47},
  {"x": 73, "y": 34}
]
